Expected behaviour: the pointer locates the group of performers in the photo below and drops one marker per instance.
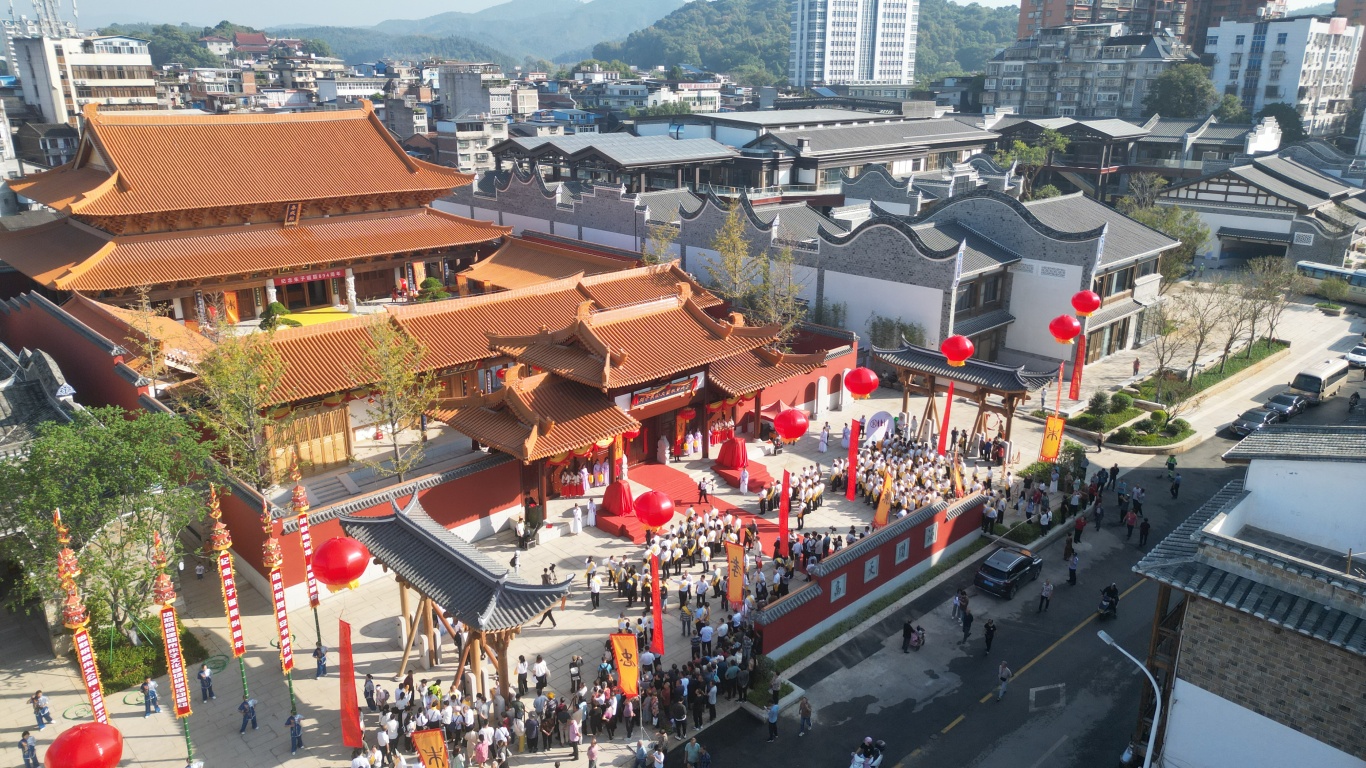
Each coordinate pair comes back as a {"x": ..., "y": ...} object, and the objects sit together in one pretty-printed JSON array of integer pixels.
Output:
[{"x": 588, "y": 473}]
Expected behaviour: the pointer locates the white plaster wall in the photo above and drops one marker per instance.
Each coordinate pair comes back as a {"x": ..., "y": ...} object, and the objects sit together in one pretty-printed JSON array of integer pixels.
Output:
[
  {"x": 1296, "y": 499},
  {"x": 654, "y": 129},
  {"x": 1148, "y": 288},
  {"x": 866, "y": 296},
  {"x": 805, "y": 278},
  {"x": 1035, "y": 299},
  {"x": 1214, "y": 221},
  {"x": 613, "y": 239},
  {"x": 521, "y": 223},
  {"x": 446, "y": 206},
  {"x": 485, "y": 214},
  {"x": 698, "y": 261},
  {"x": 731, "y": 136},
  {"x": 488, "y": 525},
  {"x": 1207, "y": 731}
]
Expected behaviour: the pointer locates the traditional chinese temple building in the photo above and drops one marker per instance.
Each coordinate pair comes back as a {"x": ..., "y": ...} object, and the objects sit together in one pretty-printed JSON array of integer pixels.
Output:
[{"x": 211, "y": 213}]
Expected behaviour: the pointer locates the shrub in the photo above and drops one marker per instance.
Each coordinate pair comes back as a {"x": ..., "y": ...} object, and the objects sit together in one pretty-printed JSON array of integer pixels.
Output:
[
  {"x": 1329, "y": 306},
  {"x": 1120, "y": 402},
  {"x": 1123, "y": 436},
  {"x": 1099, "y": 404},
  {"x": 1334, "y": 289},
  {"x": 1145, "y": 426},
  {"x": 1158, "y": 417},
  {"x": 124, "y": 665},
  {"x": 1181, "y": 424},
  {"x": 275, "y": 316},
  {"x": 1171, "y": 429},
  {"x": 432, "y": 289},
  {"x": 1086, "y": 421}
]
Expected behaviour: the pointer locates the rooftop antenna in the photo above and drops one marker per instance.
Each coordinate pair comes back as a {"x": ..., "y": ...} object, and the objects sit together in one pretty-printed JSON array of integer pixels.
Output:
[{"x": 75, "y": 15}]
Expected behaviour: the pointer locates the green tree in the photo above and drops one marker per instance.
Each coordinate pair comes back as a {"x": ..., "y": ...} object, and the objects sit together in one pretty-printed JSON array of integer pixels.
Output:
[
  {"x": 1143, "y": 191},
  {"x": 1184, "y": 91},
  {"x": 1179, "y": 224},
  {"x": 118, "y": 478},
  {"x": 777, "y": 301},
  {"x": 1045, "y": 192},
  {"x": 734, "y": 272},
  {"x": 1031, "y": 158},
  {"x": 317, "y": 47},
  {"x": 659, "y": 241},
  {"x": 1292, "y": 126},
  {"x": 394, "y": 365},
  {"x": 1232, "y": 111}
]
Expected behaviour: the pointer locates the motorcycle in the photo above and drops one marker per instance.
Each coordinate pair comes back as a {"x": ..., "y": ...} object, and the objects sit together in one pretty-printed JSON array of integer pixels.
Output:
[
  {"x": 917, "y": 638},
  {"x": 1353, "y": 401},
  {"x": 1109, "y": 607},
  {"x": 868, "y": 755}
]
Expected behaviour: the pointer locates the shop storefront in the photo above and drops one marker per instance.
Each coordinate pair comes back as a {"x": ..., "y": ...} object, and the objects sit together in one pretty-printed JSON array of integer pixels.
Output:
[{"x": 318, "y": 289}]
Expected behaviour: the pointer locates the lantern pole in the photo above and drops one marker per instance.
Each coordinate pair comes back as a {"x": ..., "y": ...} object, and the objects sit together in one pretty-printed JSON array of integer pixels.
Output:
[
  {"x": 163, "y": 593},
  {"x": 299, "y": 503},
  {"x": 944, "y": 426},
  {"x": 76, "y": 617},
  {"x": 272, "y": 558},
  {"x": 220, "y": 542}
]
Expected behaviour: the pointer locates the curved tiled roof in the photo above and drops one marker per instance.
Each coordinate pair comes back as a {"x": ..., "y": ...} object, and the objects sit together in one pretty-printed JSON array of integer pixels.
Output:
[
  {"x": 761, "y": 367},
  {"x": 991, "y": 375},
  {"x": 520, "y": 263}
]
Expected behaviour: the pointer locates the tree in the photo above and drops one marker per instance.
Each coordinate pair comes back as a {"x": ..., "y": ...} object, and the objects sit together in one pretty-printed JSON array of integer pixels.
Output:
[
  {"x": 317, "y": 47},
  {"x": 1044, "y": 192},
  {"x": 1292, "y": 127},
  {"x": 888, "y": 332},
  {"x": 1232, "y": 111},
  {"x": 1293, "y": 283},
  {"x": 118, "y": 478},
  {"x": 1236, "y": 315},
  {"x": 1031, "y": 158},
  {"x": 1203, "y": 310},
  {"x": 239, "y": 384},
  {"x": 659, "y": 242},
  {"x": 777, "y": 301},
  {"x": 1184, "y": 91},
  {"x": 1267, "y": 284},
  {"x": 1168, "y": 344},
  {"x": 403, "y": 391},
  {"x": 734, "y": 273},
  {"x": 1143, "y": 191},
  {"x": 1184, "y": 226}
]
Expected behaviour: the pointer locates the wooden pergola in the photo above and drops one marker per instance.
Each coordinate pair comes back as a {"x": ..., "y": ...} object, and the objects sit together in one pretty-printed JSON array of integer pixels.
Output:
[
  {"x": 453, "y": 580},
  {"x": 924, "y": 371}
]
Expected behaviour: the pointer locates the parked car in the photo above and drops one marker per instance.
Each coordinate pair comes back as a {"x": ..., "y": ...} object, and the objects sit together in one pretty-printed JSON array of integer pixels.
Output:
[
  {"x": 1253, "y": 421},
  {"x": 1287, "y": 404},
  {"x": 1357, "y": 357},
  {"x": 1006, "y": 569}
]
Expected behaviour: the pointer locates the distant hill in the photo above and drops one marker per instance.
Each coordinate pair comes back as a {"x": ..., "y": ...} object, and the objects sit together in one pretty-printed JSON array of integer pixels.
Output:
[
  {"x": 1322, "y": 9},
  {"x": 357, "y": 45},
  {"x": 752, "y": 36}
]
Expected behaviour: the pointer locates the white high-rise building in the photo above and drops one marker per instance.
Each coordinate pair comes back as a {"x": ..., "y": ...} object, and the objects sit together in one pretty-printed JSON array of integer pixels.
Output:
[
  {"x": 61, "y": 76},
  {"x": 848, "y": 41}
]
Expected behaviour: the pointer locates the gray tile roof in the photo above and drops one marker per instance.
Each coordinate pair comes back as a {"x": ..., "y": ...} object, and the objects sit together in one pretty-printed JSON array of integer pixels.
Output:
[
  {"x": 1112, "y": 312},
  {"x": 464, "y": 581},
  {"x": 1272, "y": 185},
  {"x": 28, "y": 398},
  {"x": 779, "y": 608},
  {"x": 1170, "y": 128},
  {"x": 626, "y": 149},
  {"x": 991, "y": 375},
  {"x": 1254, "y": 234},
  {"x": 982, "y": 323},
  {"x": 979, "y": 253},
  {"x": 1109, "y": 127},
  {"x": 771, "y": 118},
  {"x": 1302, "y": 442},
  {"x": 798, "y": 221},
  {"x": 896, "y": 529},
  {"x": 1302, "y": 175},
  {"x": 664, "y": 203},
  {"x": 881, "y": 135},
  {"x": 1125, "y": 238}
]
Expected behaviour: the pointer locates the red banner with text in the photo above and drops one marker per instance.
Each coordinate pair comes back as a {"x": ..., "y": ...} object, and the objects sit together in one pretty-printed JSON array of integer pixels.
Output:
[
  {"x": 175, "y": 663},
  {"x": 352, "y": 735},
  {"x": 90, "y": 675},
  {"x": 306, "y": 541},
  {"x": 784, "y": 509},
  {"x": 229, "y": 581},
  {"x": 851, "y": 471},
  {"x": 277, "y": 590},
  {"x": 657, "y": 636}
]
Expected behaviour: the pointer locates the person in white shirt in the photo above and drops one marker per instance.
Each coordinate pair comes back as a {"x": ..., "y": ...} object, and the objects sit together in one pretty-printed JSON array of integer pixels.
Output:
[
  {"x": 359, "y": 760},
  {"x": 382, "y": 744}
]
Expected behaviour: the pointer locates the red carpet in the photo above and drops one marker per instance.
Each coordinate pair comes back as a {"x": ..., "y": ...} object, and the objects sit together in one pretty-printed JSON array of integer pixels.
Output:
[
  {"x": 758, "y": 476},
  {"x": 683, "y": 490}
]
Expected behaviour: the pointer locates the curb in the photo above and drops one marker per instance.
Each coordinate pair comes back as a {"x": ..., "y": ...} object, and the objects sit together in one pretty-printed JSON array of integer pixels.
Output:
[{"x": 784, "y": 703}]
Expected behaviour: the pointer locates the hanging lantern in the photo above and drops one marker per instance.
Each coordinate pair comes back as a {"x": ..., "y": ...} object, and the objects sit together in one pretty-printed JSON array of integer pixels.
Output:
[
  {"x": 87, "y": 745},
  {"x": 340, "y": 562},
  {"x": 502, "y": 374},
  {"x": 631, "y": 433},
  {"x": 74, "y": 613},
  {"x": 687, "y": 413},
  {"x": 379, "y": 433},
  {"x": 1085, "y": 303},
  {"x": 654, "y": 509},
  {"x": 957, "y": 349},
  {"x": 334, "y": 400},
  {"x": 163, "y": 591},
  {"x": 791, "y": 424},
  {"x": 1065, "y": 328},
  {"x": 861, "y": 382}
]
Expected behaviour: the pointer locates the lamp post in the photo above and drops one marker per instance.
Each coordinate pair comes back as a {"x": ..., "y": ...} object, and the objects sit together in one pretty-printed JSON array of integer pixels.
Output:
[{"x": 1157, "y": 694}]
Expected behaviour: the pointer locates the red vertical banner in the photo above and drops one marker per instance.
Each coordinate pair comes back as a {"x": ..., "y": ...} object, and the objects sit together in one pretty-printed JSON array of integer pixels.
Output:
[
  {"x": 656, "y": 637},
  {"x": 1057, "y": 406},
  {"x": 277, "y": 591},
  {"x": 306, "y": 541},
  {"x": 350, "y": 707},
  {"x": 229, "y": 581},
  {"x": 1074, "y": 393},
  {"x": 944, "y": 425},
  {"x": 175, "y": 663},
  {"x": 851, "y": 471},
  {"x": 784, "y": 509},
  {"x": 90, "y": 675}
]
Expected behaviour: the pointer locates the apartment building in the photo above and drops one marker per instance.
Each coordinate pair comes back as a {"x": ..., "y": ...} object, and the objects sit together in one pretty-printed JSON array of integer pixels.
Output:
[
  {"x": 303, "y": 72},
  {"x": 466, "y": 143},
  {"x": 46, "y": 144},
  {"x": 219, "y": 90},
  {"x": 482, "y": 89},
  {"x": 342, "y": 87},
  {"x": 18, "y": 27},
  {"x": 1308, "y": 62},
  {"x": 1086, "y": 70},
  {"x": 62, "y": 75},
  {"x": 1355, "y": 13},
  {"x": 841, "y": 41},
  {"x": 405, "y": 115}
]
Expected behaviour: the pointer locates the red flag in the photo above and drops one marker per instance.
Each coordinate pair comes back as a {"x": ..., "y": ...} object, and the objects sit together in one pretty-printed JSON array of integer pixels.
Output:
[
  {"x": 849, "y": 489},
  {"x": 784, "y": 508},
  {"x": 350, "y": 708},
  {"x": 175, "y": 662},
  {"x": 230, "y": 602},
  {"x": 657, "y": 637},
  {"x": 944, "y": 427},
  {"x": 277, "y": 593},
  {"x": 1074, "y": 393}
]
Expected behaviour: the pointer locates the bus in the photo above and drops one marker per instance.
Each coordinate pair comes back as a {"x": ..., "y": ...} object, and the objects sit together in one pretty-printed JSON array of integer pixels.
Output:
[
  {"x": 1316, "y": 273},
  {"x": 1321, "y": 381}
]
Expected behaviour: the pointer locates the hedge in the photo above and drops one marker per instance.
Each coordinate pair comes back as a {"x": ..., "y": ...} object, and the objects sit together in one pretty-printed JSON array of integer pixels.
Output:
[{"x": 125, "y": 665}]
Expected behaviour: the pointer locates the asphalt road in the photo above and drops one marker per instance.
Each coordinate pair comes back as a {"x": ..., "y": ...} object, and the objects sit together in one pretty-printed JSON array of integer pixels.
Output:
[{"x": 1074, "y": 700}]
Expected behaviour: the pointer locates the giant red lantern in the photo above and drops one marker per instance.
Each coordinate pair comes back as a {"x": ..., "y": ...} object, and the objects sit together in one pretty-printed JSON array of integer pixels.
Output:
[
  {"x": 654, "y": 508},
  {"x": 87, "y": 745},
  {"x": 1085, "y": 303},
  {"x": 861, "y": 382},
  {"x": 339, "y": 563},
  {"x": 791, "y": 424},
  {"x": 957, "y": 350},
  {"x": 1065, "y": 328}
]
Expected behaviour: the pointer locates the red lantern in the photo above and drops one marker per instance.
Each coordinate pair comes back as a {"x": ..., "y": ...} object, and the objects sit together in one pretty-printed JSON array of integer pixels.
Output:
[
  {"x": 791, "y": 424},
  {"x": 957, "y": 349},
  {"x": 687, "y": 413},
  {"x": 1065, "y": 328},
  {"x": 502, "y": 373},
  {"x": 654, "y": 509},
  {"x": 861, "y": 382},
  {"x": 1085, "y": 302},
  {"x": 87, "y": 745},
  {"x": 339, "y": 563},
  {"x": 631, "y": 434}
]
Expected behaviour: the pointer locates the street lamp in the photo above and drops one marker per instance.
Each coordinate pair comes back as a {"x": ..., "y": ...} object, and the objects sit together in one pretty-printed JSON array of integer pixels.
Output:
[{"x": 1157, "y": 694}]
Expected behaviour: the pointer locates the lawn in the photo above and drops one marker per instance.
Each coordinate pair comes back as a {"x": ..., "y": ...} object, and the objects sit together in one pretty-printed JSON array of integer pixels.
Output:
[
  {"x": 1108, "y": 422},
  {"x": 1207, "y": 378}
]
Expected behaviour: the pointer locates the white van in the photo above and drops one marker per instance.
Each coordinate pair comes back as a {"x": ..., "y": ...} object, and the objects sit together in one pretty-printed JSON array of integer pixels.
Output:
[{"x": 1321, "y": 381}]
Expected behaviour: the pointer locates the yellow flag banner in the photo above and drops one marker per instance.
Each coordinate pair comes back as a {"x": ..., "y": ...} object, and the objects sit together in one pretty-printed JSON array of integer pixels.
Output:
[
  {"x": 431, "y": 748},
  {"x": 957, "y": 474},
  {"x": 884, "y": 502},
  {"x": 735, "y": 575},
  {"x": 1052, "y": 438},
  {"x": 628, "y": 663}
]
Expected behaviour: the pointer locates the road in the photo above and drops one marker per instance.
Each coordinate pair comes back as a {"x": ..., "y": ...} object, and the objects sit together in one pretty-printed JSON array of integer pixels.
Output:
[{"x": 1073, "y": 702}]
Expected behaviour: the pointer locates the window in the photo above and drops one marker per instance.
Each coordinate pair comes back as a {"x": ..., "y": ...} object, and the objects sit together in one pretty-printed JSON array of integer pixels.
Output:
[
  {"x": 1147, "y": 268},
  {"x": 903, "y": 551},
  {"x": 837, "y": 586},
  {"x": 1281, "y": 38},
  {"x": 931, "y": 534},
  {"x": 1212, "y": 41},
  {"x": 870, "y": 568},
  {"x": 991, "y": 289},
  {"x": 1238, "y": 39},
  {"x": 1235, "y": 60},
  {"x": 967, "y": 297}
]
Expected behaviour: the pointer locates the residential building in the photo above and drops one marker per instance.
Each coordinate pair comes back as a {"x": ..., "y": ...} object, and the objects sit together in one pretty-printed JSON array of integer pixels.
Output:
[
  {"x": 303, "y": 72},
  {"x": 1355, "y": 13},
  {"x": 219, "y": 46},
  {"x": 1209, "y": 13},
  {"x": 349, "y": 88},
  {"x": 46, "y": 144},
  {"x": 220, "y": 90},
  {"x": 406, "y": 116},
  {"x": 1175, "y": 148},
  {"x": 1307, "y": 62},
  {"x": 14, "y": 28},
  {"x": 843, "y": 41},
  {"x": 471, "y": 90},
  {"x": 1258, "y": 643},
  {"x": 1088, "y": 70},
  {"x": 468, "y": 143},
  {"x": 61, "y": 76}
]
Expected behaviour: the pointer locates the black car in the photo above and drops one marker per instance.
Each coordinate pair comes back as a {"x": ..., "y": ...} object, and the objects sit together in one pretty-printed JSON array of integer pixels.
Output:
[
  {"x": 1006, "y": 569},
  {"x": 1287, "y": 404},
  {"x": 1253, "y": 421}
]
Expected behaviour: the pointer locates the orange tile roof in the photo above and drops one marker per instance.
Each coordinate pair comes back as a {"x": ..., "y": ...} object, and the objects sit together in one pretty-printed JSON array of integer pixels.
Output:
[
  {"x": 181, "y": 347},
  {"x": 323, "y": 359},
  {"x": 536, "y": 417},
  {"x": 662, "y": 280},
  {"x": 177, "y": 161},
  {"x": 762, "y": 367},
  {"x": 85, "y": 259},
  {"x": 520, "y": 263}
]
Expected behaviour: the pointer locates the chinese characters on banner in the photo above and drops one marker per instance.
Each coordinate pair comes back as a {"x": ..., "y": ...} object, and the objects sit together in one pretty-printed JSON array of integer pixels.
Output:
[
  {"x": 1052, "y": 438},
  {"x": 431, "y": 748},
  {"x": 175, "y": 663},
  {"x": 306, "y": 541},
  {"x": 628, "y": 664},
  {"x": 657, "y": 608},
  {"x": 784, "y": 509},
  {"x": 90, "y": 674},
  {"x": 277, "y": 591},
  {"x": 735, "y": 575},
  {"x": 884, "y": 501},
  {"x": 229, "y": 580}
]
